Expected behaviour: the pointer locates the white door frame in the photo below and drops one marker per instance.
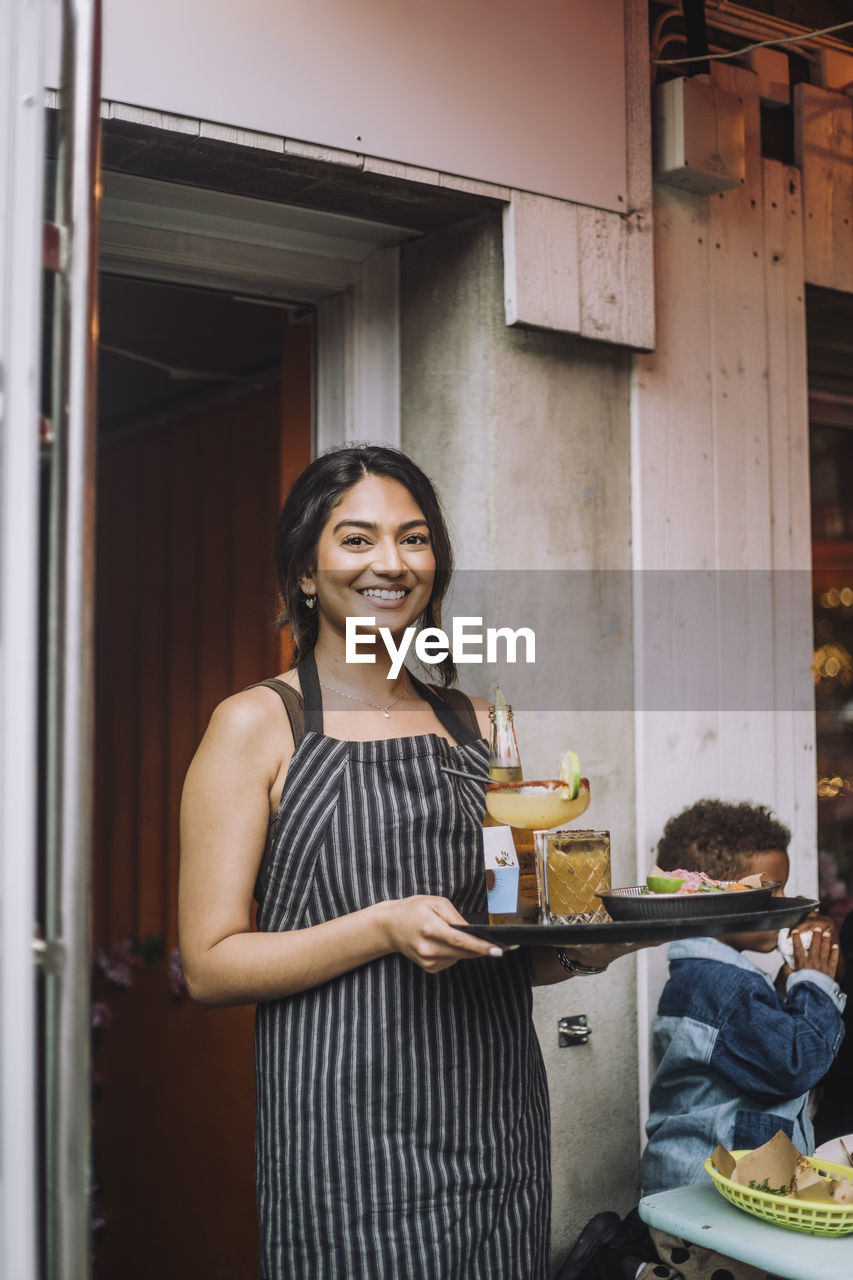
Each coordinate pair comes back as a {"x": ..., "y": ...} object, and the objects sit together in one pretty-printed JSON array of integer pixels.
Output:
[
  {"x": 348, "y": 268},
  {"x": 21, "y": 161}
]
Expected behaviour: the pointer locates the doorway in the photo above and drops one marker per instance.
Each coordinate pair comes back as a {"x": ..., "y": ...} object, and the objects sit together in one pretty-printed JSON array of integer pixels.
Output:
[{"x": 205, "y": 417}]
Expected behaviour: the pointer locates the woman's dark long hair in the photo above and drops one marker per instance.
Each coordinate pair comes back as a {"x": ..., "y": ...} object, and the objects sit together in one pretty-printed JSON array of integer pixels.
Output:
[{"x": 308, "y": 506}]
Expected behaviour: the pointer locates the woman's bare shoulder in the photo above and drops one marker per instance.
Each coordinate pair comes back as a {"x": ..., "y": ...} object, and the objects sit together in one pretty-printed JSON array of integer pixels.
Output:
[
  {"x": 253, "y": 713},
  {"x": 246, "y": 748}
]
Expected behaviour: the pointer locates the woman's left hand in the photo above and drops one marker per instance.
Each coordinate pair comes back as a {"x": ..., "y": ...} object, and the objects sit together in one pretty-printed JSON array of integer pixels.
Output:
[
  {"x": 601, "y": 954},
  {"x": 545, "y": 968}
]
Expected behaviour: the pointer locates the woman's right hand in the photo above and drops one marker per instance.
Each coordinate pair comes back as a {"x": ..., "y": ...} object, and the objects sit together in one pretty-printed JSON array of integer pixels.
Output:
[{"x": 422, "y": 929}]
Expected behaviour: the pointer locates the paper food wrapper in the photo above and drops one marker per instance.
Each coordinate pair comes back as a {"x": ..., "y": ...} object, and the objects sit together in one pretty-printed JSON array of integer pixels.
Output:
[{"x": 780, "y": 1169}]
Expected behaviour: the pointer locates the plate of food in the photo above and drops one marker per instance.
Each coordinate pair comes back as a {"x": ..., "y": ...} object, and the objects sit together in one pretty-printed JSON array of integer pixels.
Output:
[{"x": 669, "y": 895}]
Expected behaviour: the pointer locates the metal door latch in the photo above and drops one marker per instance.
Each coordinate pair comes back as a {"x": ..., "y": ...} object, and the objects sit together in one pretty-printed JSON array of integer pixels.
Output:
[
  {"x": 573, "y": 1030},
  {"x": 49, "y": 956}
]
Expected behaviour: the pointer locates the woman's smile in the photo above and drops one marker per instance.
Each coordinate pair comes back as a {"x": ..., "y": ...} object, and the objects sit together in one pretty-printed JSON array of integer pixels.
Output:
[{"x": 384, "y": 597}]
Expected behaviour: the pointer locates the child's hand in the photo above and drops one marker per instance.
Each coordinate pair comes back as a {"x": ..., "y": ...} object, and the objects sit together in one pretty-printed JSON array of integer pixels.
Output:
[{"x": 824, "y": 952}]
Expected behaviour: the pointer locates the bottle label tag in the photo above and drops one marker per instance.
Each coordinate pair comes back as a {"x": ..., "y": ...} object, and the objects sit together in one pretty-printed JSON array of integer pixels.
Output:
[
  {"x": 499, "y": 847},
  {"x": 501, "y": 863}
]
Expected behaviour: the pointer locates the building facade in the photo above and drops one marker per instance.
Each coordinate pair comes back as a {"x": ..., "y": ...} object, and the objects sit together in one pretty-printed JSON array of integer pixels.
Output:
[{"x": 441, "y": 230}]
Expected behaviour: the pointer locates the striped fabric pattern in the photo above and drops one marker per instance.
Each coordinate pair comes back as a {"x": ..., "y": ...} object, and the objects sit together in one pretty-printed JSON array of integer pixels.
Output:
[{"x": 402, "y": 1117}]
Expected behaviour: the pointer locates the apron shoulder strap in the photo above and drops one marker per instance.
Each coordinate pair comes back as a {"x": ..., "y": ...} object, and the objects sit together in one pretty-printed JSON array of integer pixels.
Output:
[
  {"x": 454, "y": 709},
  {"x": 462, "y": 705},
  {"x": 293, "y": 705}
]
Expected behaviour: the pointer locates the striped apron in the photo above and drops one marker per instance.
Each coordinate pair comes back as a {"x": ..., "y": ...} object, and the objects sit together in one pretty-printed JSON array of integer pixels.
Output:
[{"x": 402, "y": 1117}]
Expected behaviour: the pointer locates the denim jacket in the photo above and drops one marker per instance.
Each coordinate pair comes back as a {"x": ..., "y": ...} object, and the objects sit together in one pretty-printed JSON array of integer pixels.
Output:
[{"x": 736, "y": 1062}]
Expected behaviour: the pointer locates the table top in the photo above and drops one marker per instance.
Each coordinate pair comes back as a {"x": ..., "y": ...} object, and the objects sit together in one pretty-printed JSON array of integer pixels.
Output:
[{"x": 701, "y": 1215}]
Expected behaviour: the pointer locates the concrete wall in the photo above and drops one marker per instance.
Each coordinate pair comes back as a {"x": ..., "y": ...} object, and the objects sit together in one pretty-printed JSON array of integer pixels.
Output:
[{"x": 527, "y": 436}]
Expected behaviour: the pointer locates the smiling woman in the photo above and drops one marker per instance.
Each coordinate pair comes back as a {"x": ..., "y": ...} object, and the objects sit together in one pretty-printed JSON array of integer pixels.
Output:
[
  {"x": 302, "y": 535},
  {"x": 402, "y": 1106},
  {"x": 385, "y": 565}
]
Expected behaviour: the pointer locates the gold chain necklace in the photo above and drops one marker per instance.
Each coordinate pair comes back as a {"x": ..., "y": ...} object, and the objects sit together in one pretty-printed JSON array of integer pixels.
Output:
[{"x": 386, "y": 710}]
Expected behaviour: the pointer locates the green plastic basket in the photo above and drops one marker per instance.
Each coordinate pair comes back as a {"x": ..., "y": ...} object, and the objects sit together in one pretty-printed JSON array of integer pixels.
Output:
[{"x": 786, "y": 1211}]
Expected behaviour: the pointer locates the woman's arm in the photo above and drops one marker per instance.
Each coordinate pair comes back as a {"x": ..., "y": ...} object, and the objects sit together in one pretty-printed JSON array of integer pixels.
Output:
[
  {"x": 546, "y": 969},
  {"x": 225, "y": 814}
]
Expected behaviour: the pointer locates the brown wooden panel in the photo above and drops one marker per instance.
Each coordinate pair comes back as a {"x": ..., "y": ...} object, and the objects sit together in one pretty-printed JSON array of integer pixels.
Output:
[
  {"x": 151, "y": 591},
  {"x": 213, "y": 647},
  {"x": 183, "y": 719},
  {"x": 296, "y": 397},
  {"x": 185, "y": 610},
  {"x": 104, "y": 780},
  {"x": 256, "y": 466},
  {"x": 297, "y": 390},
  {"x": 173, "y": 1138},
  {"x": 823, "y": 141},
  {"x": 119, "y": 649},
  {"x": 186, "y": 603}
]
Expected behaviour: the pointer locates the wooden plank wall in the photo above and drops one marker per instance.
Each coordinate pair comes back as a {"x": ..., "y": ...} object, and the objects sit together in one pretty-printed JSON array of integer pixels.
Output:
[
  {"x": 720, "y": 483},
  {"x": 824, "y": 153},
  {"x": 720, "y": 442},
  {"x": 185, "y": 609}
]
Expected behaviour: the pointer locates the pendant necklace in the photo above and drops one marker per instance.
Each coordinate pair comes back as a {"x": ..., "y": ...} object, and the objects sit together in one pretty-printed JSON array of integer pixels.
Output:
[{"x": 386, "y": 710}]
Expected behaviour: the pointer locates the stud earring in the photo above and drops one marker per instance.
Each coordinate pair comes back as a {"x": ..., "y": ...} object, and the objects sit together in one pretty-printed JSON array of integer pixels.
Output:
[{"x": 309, "y": 600}]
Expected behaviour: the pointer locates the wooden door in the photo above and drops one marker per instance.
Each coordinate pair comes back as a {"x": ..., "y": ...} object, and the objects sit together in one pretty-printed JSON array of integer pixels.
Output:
[{"x": 185, "y": 616}]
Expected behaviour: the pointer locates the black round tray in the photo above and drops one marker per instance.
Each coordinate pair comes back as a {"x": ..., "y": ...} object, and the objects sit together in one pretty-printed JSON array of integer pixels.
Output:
[{"x": 782, "y": 913}]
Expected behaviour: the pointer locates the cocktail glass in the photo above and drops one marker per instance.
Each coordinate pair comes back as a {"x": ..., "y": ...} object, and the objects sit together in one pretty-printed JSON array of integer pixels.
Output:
[
  {"x": 527, "y": 807},
  {"x": 574, "y": 869},
  {"x": 535, "y": 806}
]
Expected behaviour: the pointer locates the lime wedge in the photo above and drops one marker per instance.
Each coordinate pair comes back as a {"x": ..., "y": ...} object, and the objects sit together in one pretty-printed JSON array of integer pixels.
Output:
[
  {"x": 499, "y": 707},
  {"x": 663, "y": 884},
  {"x": 570, "y": 773}
]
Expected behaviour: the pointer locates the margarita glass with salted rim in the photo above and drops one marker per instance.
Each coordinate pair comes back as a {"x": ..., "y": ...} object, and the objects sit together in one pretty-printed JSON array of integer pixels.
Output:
[
  {"x": 526, "y": 807},
  {"x": 536, "y": 806}
]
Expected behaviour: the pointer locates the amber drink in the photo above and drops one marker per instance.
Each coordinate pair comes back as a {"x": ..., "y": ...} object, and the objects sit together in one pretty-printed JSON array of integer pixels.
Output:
[{"x": 575, "y": 870}]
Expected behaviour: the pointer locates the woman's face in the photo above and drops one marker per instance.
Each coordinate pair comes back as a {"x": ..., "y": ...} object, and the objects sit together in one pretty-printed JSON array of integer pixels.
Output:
[{"x": 374, "y": 558}]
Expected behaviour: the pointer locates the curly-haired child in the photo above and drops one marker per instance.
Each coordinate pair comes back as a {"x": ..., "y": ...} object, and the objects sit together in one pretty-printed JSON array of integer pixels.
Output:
[{"x": 736, "y": 1058}]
